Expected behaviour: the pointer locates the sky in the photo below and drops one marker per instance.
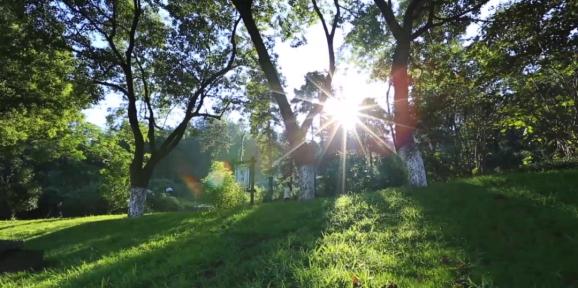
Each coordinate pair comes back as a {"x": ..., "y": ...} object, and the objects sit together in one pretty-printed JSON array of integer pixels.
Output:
[{"x": 294, "y": 63}]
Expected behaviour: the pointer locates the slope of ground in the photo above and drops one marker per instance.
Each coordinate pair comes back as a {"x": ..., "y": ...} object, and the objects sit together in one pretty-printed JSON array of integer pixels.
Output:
[{"x": 517, "y": 230}]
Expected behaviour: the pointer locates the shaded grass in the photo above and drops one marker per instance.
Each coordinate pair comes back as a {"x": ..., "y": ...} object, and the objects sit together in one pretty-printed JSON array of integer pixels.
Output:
[{"x": 516, "y": 230}]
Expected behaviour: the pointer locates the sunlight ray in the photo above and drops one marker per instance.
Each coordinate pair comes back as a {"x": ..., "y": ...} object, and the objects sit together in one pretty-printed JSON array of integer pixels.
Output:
[
  {"x": 376, "y": 137},
  {"x": 343, "y": 162},
  {"x": 358, "y": 139},
  {"x": 384, "y": 120},
  {"x": 328, "y": 143},
  {"x": 329, "y": 94},
  {"x": 278, "y": 160}
]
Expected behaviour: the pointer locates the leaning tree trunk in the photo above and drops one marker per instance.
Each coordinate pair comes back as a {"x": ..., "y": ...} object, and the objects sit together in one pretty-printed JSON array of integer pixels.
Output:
[{"x": 405, "y": 122}]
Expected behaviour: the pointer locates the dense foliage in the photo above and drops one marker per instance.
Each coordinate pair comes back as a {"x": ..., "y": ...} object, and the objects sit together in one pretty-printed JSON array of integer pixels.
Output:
[
  {"x": 506, "y": 100},
  {"x": 41, "y": 94}
]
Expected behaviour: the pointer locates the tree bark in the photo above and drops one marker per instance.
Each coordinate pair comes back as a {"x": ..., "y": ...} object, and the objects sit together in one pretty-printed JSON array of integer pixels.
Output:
[
  {"x": 306, "y": 181},
  {"x": 416, "y": 174},
  {"x": 405, "y": 122},
  {"x": 139, "y": 181},
  {"x": 136, "y": 204}
]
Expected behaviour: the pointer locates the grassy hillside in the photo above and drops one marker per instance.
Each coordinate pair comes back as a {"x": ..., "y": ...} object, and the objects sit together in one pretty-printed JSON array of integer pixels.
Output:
[{"x": 518, "y": 230}]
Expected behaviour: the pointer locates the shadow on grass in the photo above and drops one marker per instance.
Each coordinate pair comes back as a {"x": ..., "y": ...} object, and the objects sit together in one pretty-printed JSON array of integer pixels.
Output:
[
  {"x": 250, "y": 246},
  {"x": 515, "y": 231},
  {"x": 9, "y": 224},
  {"x": 519, "y": 231}
]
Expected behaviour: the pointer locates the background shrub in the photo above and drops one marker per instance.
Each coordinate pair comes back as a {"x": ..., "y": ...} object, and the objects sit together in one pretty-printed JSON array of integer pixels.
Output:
[
  {"x": 221, "y": 189},
  {"x": 162, "y": 202}
]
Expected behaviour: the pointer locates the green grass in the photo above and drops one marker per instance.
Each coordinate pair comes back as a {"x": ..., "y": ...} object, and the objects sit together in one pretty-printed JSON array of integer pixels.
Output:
[{"x": 517, "y": 230}]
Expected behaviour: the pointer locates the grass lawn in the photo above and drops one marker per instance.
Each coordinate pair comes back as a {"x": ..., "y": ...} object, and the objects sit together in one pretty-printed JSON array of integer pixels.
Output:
[{"x": 516, "y": 230}]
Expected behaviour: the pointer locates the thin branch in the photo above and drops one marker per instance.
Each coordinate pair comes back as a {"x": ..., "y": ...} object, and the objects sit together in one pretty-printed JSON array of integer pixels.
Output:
[
  {"x": 112, "y": 85},
  {"x": 113, "y": 32},
  {"x": 230, "y": 65},
  {"x": 320, "y": 15},
  {"x": 96, "y": 26},
  {"x": 336, "y": 17},
  {"x": 132, "y": 33},
  {"x": 442, "y": 21},
  {"x": 214, "y": 116},
  {"x": 353, "y": 13},
  {"x": 147, "y": 100},
  {"x": 429, "y": 22}
]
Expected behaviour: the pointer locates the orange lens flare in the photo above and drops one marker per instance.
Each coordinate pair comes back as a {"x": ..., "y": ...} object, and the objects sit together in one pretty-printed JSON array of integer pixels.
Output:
[{"x": 193, "y": 184}]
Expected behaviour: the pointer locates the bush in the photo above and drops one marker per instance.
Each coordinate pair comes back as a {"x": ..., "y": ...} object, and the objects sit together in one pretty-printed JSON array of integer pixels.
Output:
[
  {"x": 161, "y": 202},
  {"x": 361, "y": 177},
  {"x": 221, "y": 189},
  {"x": 391, "y": 172}
]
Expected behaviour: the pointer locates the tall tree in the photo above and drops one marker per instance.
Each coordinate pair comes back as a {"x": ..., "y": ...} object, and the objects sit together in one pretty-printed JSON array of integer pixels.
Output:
[
  {"x": 302, "y": 152},
  {"x": 41, "y": 94},
  {"x": 156, "y": 55},
  {"x": 407, "y": 23},
  {"x": 502, "y": 100}
]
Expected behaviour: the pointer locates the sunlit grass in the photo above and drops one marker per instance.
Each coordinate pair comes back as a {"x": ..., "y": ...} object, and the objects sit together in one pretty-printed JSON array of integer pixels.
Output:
[{"x": 518, "y": 230}]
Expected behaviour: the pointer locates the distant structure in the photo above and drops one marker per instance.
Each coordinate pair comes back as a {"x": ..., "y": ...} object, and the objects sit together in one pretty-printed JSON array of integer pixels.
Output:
[
  {"x": 169, "y": 190},
  {"x": 242, "y": 175}
]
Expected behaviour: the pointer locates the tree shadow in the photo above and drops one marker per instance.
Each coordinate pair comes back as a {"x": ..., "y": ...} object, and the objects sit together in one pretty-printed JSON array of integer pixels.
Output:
[
  {"x": 508, "y": 231},
  {"x": 480, "y": 232},
  {"x": 8, "y": 224},
  {"x": 210, "y": 249}
]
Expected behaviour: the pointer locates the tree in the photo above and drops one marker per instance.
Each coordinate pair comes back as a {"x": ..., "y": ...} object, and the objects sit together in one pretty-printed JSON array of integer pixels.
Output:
[
  {"x": 41, "y": 94},
  {"x": 535, "y": 65},
  {"x": 504, "y": 100},
  {"x": 302, "y": 152},
  {"x": 156, "y": 56},
  {"x": 414, "y": 19},
  {"x": 88, "y": 178}
]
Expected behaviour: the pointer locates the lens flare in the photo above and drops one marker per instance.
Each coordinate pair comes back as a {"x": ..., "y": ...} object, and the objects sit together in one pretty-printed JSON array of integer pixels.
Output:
[
  {"x": 344, "y": 110},
  {"x": 193, "y": 184}
]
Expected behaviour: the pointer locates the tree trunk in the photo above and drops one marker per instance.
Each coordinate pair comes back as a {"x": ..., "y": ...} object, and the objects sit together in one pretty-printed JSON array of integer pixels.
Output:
[
  {"x": 405, "y": 122},
  {"x": 306, "y": 181},
  {"x": 136, "y": 204},
  {"x": 139, "y": 182},
  {"x": 416, "y": 174}
]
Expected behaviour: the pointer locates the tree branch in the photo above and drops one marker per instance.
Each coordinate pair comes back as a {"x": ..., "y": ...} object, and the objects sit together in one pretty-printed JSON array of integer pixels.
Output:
[
  {"x": 112, "y": 85},
  {"x": 96, "y": 26},
  {"x": 329, "y": 36},
  {"x": 442, "y": 21},
  {"x": 132, "y": 33},
  {"x": 147, "y": 100},
  {"x": 389, "y": 16},
  {"x": 214, "y": 116},
  {"x": 336, "y": 17},
  {"x": 175, "y": 136},
  {"x": 269, "y": 69},
  {"x": 137, "y": 163},
  {"x": 320, "y": 15},
  {"x": 408, "y": 16}
]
